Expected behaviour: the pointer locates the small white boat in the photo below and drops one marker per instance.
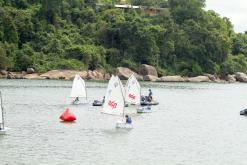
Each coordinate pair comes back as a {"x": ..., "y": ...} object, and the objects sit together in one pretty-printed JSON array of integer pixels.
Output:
[
  {"x": 114, "y": 102},
  {"x": 78, "y": 91},
  {"x": 3, "y": 129},
  {"x": 147, "y": 109},
  {"x": 123, "y": 125}
]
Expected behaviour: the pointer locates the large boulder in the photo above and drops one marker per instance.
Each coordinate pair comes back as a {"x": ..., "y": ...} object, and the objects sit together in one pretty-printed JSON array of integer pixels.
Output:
[
  {"x": 3, "y": 72},
  {"x": 34, "y": 76},
  {"x": 63, "y": 74},
  {"x": 172, "y": 79},
  {"x": 230, "y": 78},
  {"x": 199, "y": 79},
  {"x": 212, "y": 77},
  {"x": 107, "y": 76},
  {"x": 148, "y": 70},
  {"x": 15, "y": 75},
  {"x": 124, "y": 73},
  {"x": 95, "y": 75},
  {"x": 151, "y": 78},
  {"x": 241, "y": 77},
  {"x": 30, "y": 70}
]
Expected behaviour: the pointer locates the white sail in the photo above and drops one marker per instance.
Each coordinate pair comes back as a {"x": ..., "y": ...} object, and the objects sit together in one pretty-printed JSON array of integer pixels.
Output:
[
  {"x": 110, "y": 86},
  {"x": 133, "y": 91},
  {"x": 78, "y": 88},
  {"x": 114, "y": 101}
]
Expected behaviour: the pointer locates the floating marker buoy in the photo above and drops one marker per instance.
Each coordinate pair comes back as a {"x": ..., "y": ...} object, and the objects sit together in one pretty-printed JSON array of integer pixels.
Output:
[{"x": 68, "y": 116}]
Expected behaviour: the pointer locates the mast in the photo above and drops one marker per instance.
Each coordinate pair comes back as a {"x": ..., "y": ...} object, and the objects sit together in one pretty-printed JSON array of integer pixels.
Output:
[
  {"x": 2, "y": 108},
  {"x": 122, "y": 94}
]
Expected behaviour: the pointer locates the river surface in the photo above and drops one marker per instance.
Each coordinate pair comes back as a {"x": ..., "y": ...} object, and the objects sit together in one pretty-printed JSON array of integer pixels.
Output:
[{"x": 194, "y": 124}]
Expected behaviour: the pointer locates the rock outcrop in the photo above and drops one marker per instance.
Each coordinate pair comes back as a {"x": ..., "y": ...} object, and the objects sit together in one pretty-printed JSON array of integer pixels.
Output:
[
  {"x": 151, "y": 78},
  {"x": 230, "y": 78},
  {"x": 172, "y": 79},
  {"x": 30, "y": 70},
  {"x": 95, "y": 75},
  {"x": 3, "y": 72},
  {"x": 107, "y": 76},
  {"x": 34, "y": 76},
  {"x": 148, "y": 70},
  {"x": 124, "y": 73},
  {"x": 199, "y": 79},
  {"x": 16, "y": 75},
  {"x": 241, "y": 77},
  {"x": 212, "y": 78},
  {"x": 63, "y": 74}
]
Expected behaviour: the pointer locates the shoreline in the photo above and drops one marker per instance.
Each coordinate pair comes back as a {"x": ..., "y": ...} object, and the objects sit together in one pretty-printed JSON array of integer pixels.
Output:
[{"x": 98, "y": 75}]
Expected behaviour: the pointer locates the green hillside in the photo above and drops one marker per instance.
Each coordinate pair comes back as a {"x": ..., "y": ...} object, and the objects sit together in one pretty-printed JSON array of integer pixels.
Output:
[{"x": 80, "y": 35}]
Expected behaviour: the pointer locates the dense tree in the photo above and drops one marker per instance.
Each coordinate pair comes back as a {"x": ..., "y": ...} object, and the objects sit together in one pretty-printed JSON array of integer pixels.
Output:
[{"x": 79, "y": 34}]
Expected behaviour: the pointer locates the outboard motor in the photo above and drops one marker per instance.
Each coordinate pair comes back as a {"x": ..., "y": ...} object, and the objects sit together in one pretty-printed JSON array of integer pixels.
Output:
[{"x": 243, "y": 112}]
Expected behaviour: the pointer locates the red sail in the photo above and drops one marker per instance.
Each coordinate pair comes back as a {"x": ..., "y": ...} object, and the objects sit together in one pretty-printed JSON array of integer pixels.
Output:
[{"x": 68, "y": 116}]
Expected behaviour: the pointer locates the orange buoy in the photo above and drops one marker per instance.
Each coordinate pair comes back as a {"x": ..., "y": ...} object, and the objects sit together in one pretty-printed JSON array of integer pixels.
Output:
[{"x": 68, "y": 116}]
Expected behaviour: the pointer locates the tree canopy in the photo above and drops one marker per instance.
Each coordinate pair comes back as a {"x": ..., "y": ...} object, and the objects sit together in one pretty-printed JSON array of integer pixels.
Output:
[{"x": 80, "y": 34}]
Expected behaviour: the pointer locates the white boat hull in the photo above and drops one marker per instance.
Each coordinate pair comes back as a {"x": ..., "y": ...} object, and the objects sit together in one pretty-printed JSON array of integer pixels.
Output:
[
  {"x": 79, "y": 102},
  {"x": 144, "y": 110},
  {"x": 123, "y": 125},
  {"x": 3, "y": 131}
]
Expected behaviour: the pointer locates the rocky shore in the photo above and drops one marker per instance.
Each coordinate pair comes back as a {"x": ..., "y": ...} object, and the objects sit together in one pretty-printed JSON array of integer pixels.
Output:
[{"x": 146, "y": 73}]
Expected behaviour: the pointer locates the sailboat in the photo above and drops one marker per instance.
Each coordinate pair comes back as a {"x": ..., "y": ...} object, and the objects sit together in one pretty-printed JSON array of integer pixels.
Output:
[
  {"x": 2, "y": 126},
  {"x": 133, "y": 91},
  {"x": 114, "y": 102},
  {"x": 110, "y": 84},
  {"x": 78, "y": 90}
]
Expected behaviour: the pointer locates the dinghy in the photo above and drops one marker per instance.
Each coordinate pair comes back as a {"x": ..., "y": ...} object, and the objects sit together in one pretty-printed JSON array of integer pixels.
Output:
[
  {"x": 144, "y": 101},
  {"x": 114, "y": 102},
  {"x": 3, "y": 129},
  {"x": 97, "y": 103},
  {"x": 149, "y": 103},
  {"x": 109, "y": 87},
  {"x": 146, "y": 109},
  {"x": 243, "y": 112},
  {"x": 78, "y": 90}
]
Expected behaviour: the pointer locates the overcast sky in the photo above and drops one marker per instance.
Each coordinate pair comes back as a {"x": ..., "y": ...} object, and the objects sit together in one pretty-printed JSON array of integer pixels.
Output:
[{"x": 236, "y": 10}]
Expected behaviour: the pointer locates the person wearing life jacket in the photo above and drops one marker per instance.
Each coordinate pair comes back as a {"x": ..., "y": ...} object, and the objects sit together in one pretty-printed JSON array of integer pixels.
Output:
[
  {"x": 76, "y": 99},
  {"x": 150, "y": 95},
  {"x": 128, "y": 119}
]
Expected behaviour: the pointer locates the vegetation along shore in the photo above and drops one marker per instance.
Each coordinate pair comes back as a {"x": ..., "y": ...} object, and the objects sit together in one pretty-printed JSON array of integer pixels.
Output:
[{"x": 52, "y": 39}]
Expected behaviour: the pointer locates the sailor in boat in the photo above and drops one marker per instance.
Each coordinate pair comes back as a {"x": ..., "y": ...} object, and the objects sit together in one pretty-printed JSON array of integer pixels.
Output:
[
  {"x": 150, "y": 96},
  {"x": 76, "y": 100},
  {"x": 128, "y": 119}
]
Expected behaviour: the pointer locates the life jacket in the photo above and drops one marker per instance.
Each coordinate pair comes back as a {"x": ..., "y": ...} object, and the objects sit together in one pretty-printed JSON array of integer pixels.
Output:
[{"x": 129, "y": 121}]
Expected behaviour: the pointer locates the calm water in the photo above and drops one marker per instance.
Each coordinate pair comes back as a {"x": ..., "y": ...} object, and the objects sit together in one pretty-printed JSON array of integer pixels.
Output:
[{"x": 194, "y": 124}]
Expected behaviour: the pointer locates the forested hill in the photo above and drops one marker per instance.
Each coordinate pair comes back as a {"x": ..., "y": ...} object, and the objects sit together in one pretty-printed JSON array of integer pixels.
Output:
[{"x": 80, "y": 34}]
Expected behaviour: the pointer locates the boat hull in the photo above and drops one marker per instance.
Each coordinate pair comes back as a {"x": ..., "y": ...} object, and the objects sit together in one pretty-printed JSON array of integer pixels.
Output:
[
  {"x": 149, "y": 103},
  {"x": 3, "y": 131},
  {"x": 123, "y": 125},
  {"x": 144, "y": 110},
  {"x": 243, "y": 112},
  {"x": 97, "y": 103}
]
